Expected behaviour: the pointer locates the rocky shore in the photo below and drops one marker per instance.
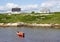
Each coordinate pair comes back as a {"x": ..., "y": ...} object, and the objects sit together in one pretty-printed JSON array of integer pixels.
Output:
[{"x": 29, "y": 25}]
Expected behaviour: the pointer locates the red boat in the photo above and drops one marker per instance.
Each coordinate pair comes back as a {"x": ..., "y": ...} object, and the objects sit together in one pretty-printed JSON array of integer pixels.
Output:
[{"x": 20, "y": 34}]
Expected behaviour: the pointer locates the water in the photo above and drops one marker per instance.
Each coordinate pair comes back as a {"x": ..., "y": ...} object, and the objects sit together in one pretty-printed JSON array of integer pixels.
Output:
[{"x": 8, "y": 34}]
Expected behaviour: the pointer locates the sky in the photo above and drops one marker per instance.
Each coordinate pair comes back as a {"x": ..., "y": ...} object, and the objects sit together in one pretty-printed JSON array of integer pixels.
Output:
[{"x": 30, "y": 5}]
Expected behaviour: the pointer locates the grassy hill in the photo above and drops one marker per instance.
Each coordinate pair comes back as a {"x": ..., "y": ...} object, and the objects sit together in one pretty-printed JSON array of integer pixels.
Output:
[{"x": 31, "y": 18}]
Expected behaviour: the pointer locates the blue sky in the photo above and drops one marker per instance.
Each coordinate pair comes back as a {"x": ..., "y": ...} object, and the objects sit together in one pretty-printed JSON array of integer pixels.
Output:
[
  {"x": 30, "y": 5},
  {"x": 21, "y": 2}
]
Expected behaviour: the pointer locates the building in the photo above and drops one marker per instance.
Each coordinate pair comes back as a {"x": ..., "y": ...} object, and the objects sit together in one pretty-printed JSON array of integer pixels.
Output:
[
  {"x": 16, "y": 10},
  {"x": 45, "y": 10}
]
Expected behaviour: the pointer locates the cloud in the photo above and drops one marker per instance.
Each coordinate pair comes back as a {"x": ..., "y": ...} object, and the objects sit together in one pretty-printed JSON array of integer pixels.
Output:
[
  {"x": 46, "y": 4},
  {"x": 1, "y": 8},
  {"x": 23, "y": 7},
  {"x": 28, "y": 7},
  {"x": 9, "y": 6},
  {"x": 53, "y": 5}
]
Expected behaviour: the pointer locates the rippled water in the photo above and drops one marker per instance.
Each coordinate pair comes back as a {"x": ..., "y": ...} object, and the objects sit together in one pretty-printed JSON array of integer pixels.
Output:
[{"x": 8, "y": 34}]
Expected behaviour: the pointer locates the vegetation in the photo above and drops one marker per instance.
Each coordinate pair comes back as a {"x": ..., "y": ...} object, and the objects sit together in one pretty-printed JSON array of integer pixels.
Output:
[
  {"x": 31, "y": 18},
  {"x": 32, "y": 12}
]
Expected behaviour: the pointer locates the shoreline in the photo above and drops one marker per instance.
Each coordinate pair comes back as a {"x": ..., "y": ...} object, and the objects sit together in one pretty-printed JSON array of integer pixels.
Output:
[{"x": 21, "y": 24}]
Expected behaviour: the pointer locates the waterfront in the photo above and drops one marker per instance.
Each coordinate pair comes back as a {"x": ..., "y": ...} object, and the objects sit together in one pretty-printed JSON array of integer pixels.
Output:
[{"x": 35, "y": 34}]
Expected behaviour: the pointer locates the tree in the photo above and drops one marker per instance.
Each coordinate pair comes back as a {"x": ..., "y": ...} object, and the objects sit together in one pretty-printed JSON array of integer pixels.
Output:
[{"x": 32, "y": 12}]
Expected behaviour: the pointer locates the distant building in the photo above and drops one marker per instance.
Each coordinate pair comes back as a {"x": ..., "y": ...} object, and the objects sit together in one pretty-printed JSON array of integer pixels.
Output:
[
  {"x": 16, "y": 10},
  {"x": 45, "y": 10}
]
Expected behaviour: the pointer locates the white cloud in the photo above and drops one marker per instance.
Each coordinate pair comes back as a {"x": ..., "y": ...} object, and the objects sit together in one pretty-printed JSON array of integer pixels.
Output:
[
  {"x": 11, "y": 5},
  {"x": 46, "y": 4},
  {"x": 26, "y": 7},
  {"x": 23, "y": 7},
  {"x": 8, "y": 6},
  {"x": 52, "y": 4},
  {"x": 1, "y": 8},
  {"x": 32, "y": 6}
]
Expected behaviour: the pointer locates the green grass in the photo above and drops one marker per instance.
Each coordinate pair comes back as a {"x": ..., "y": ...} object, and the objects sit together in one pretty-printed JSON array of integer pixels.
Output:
[{"x": 30, "y": 18}]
